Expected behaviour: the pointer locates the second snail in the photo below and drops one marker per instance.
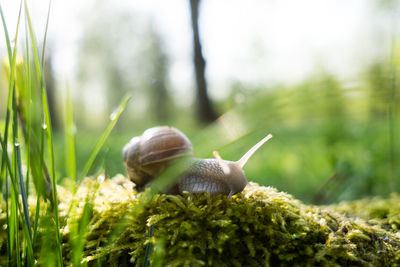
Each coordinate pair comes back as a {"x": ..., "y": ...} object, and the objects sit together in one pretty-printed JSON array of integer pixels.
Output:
[{"x": 146, "y": 156}]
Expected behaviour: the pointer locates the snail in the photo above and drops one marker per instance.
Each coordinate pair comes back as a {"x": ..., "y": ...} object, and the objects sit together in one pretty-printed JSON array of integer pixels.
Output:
[{"x": 147, "y": 155}]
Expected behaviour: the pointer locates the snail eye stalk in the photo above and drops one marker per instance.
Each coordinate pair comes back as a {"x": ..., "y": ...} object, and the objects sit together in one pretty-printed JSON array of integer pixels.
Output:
[{"x": 251, "y": 151}]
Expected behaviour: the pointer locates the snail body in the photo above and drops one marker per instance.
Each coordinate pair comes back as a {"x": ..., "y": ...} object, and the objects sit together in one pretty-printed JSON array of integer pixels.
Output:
[
  {"x": 214, "y": 175},
  {"x": 207, "y": 175}
]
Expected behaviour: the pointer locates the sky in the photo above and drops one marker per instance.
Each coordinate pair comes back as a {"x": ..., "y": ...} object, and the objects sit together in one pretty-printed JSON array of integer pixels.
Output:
[{"x": 251, "y": 42}]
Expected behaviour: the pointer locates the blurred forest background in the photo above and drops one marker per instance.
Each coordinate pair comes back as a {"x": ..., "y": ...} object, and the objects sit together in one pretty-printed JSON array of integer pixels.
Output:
[{"x": 335, "y": 125}]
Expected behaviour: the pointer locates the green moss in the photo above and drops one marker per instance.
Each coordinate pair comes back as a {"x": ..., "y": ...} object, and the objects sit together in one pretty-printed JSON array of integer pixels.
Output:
[
  {"x": 258, "y": 227},
  {"x": 384, "y": 212}
]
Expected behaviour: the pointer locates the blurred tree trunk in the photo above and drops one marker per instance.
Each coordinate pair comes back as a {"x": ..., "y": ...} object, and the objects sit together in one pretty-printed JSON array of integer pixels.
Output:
[
  {"x": 159, "y": 72},
  {"x": 205, "y": 109}
]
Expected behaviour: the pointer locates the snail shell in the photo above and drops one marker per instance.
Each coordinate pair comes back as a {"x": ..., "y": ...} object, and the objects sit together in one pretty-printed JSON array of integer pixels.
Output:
[{"x": 147, "y": 155}]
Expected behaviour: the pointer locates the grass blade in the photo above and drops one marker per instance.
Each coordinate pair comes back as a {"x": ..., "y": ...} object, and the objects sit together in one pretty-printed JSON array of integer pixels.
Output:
[
  {"x": 9, "y": 228},
  {"x": 2, "y": 174},
  {"x": 69, "y": 129},
  {"x": 45, "y": 33},
  {"x": 12, "y": 60},
  {"x": 79, "y": 228},
  {"x": 48, "y": 128},
  {"x": 12, "y": 210},
  {"x": 28, "y": 101},
  {"x": 114, "y": 118},
  {"x": 45, "y": 105},
  {"x": 149, "y": 245},
  {"x": 8, "y": 43},
  {"x": 23, "y": 192},
  {"x": 14, "y": 223}
]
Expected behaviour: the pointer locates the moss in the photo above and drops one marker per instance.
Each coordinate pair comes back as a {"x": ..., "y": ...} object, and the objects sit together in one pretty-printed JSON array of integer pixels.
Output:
[
  {"x": 384, "y": 212},
  {"x": 258, "y": 227}
]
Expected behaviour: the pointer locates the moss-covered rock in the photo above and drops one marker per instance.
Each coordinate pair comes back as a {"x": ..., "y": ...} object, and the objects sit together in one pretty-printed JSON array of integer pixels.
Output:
[
  {"x": 384, "y": 212},
  {"x": 259, "y": 226}
]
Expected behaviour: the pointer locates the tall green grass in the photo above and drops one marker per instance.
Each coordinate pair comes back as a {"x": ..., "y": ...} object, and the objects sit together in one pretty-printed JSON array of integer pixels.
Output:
[{"x": 27, "y": 126}]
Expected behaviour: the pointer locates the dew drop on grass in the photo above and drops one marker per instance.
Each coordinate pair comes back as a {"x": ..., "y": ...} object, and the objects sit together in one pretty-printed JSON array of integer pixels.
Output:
[
  {"x": 100, "y": 178},
  {"x": 44, "y": 126},
  {"x": 113, "y": 115},
  {"x": 16, "y": 144}
]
